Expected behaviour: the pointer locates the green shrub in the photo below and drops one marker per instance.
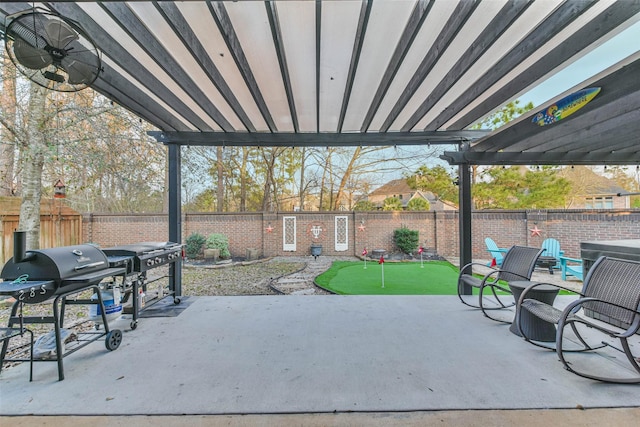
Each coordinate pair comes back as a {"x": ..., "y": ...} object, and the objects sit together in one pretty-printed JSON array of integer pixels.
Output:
[
  {"x": 392, "y": 204},
  {"x": 418, "y": 204},
  {"x": 219, "y": 241},
  {"x": 194, "y": 245},
  {"x": 406, "y": 240}
]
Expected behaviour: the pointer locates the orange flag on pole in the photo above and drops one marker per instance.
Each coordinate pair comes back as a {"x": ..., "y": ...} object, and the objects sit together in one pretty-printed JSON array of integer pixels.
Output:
[{"x": 493, "y": 262}]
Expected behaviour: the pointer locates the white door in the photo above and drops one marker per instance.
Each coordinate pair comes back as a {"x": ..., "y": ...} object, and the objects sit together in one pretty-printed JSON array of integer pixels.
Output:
[
  {"x": 289, "y": 234},
  {"x": 342, "y": 233}
]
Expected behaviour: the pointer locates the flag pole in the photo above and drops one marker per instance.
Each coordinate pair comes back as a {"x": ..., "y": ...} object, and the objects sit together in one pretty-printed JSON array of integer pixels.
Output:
[
  {"x": 421, "y": 250},
  {"x": 381, "y": 262},
  {"x": 364, "y": 255}
]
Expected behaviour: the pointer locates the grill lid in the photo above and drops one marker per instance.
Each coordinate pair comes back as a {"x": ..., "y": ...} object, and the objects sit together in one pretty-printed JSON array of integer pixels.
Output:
[
  {"x": 142, "y": 248},
  {"x": 57, "y": 263}
]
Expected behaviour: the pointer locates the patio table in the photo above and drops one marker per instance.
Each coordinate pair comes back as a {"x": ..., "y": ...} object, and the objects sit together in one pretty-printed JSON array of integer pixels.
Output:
[{"x": 533, "y": 327}]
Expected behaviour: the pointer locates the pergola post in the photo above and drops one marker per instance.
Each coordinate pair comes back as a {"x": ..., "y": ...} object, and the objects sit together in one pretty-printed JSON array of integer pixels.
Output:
[
  {"x": 464, "y": 218},
  {"x": 175, "y": 216}
]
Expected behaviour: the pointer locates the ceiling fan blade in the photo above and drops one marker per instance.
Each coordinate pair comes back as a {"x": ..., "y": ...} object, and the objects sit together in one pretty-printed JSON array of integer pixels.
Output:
[
  {"x": 79, "y": 73},
  {"x": 60, "y": 34},
  {"x": 30, "y": 56}
]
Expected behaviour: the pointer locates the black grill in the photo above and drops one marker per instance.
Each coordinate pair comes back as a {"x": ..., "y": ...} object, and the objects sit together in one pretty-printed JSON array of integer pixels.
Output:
[
  {"x": 139, "y": 258},
  {"x": 57, "y": 273},
  {"x": 145, "y": 255},
  {"x": 42, "y": 274}
]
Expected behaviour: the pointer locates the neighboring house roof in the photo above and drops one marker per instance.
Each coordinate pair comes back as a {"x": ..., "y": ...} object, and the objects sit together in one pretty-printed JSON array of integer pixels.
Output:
[
  {"x": 586, "y": 182},
  {"x": 398, "y": 187}
]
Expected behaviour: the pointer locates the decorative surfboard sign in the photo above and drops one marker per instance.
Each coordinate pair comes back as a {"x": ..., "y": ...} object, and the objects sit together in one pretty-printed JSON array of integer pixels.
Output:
[{"x": 565, "y": 107}]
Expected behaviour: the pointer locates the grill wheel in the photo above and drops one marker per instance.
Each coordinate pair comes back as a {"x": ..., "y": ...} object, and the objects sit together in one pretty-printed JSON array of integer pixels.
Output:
[{"x": 113, "y": 340}]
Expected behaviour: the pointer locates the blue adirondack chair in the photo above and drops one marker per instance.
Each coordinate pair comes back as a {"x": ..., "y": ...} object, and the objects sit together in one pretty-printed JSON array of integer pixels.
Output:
[
  {"x": 551, "y": 248},
  {"x": 496, "y": 252},
  {"x": 571, "y": 267}
]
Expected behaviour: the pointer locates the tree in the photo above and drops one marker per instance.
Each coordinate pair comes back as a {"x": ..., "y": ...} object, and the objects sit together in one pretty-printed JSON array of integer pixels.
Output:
[
  {"x": 202, "y": 202},
  {"x": 391, "y": 204},
  {"x": 100, "y": 151},
  {"x": 32, "y": 153},
  {"x": 518, "y": 187},
  {"x": 364, "y": 205},
  {"x": 418, "y": 204},
  {"x": 437, "y": 180},
  {"x": 8, "y": 104},
  {"x": 504, "y": 115},
  {"x": 104, "y": 155},
  {"x": 496, "y": 120},
  {"x": 622, "y": 176}
]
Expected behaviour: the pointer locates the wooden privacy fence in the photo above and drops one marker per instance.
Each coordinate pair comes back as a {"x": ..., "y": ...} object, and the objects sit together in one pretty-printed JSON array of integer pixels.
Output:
[{"x": 59, "y": 225}]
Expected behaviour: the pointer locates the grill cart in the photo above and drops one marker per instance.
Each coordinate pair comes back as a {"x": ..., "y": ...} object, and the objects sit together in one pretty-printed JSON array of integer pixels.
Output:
[{"x": 55, "y": 274}]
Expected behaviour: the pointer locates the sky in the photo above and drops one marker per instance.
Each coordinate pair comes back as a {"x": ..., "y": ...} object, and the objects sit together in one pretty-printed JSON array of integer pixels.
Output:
[{"x": 609, "y": 53}]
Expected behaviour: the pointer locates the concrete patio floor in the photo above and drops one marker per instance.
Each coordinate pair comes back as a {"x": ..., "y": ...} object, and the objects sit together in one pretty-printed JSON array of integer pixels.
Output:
[{"x": 320, "y": 360}]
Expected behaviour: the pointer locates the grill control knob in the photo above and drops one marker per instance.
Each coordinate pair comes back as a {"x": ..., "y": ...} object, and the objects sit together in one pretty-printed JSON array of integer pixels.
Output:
[
  {"x": 158, "y": 260},
  {"x": 150, "y": 262}
]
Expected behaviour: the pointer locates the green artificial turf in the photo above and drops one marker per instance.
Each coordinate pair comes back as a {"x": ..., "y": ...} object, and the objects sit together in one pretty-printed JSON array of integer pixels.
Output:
[{"x": 400, "y": 278}]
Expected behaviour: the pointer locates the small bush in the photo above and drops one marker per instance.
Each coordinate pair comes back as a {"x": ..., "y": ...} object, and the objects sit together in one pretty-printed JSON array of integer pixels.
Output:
[
  {"x": 219, "y": 241},
  {"x": 392, "y": 204},
  {"x": 418, "y": 205},
  {"x": 194, "y": 244},
  {"x": 406, "y": 240}
]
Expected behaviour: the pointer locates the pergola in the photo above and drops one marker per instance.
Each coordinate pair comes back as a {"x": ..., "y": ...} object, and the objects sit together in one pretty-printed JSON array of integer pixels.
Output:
[{"x": 363, "y": 72}]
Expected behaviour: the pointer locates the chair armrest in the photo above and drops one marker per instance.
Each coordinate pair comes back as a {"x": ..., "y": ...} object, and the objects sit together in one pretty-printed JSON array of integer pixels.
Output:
[
  {"x": 574, "y": 306},
  {"x": 565, "y": 259}
]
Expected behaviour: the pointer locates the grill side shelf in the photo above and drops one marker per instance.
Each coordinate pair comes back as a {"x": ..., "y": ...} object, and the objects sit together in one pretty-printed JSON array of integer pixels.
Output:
[
  {"x": 94, "y": 277},
  {"x": 30, "y": 291}
]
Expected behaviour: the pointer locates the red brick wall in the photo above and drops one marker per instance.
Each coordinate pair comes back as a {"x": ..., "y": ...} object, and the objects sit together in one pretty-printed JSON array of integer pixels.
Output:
[
  {"x": 438, "y": 231},
  {"x": 111, "y": 230}
]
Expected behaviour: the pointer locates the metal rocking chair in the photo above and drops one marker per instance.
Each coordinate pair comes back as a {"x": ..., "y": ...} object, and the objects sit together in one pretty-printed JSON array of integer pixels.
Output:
[
  {"x": 518, "y": 264},
  {"x": 605, "y": 317}
]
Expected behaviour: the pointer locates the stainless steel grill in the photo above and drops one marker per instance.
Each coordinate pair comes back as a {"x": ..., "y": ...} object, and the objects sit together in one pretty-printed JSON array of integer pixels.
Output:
[
  {"x": 146, "y": 255},
  {"x": 139, "y": 259}
]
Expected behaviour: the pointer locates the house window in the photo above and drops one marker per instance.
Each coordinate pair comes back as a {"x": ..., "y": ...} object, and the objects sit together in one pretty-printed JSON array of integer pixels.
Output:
[{"x": 599, "y": 202}]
